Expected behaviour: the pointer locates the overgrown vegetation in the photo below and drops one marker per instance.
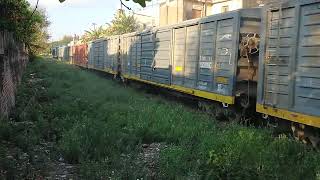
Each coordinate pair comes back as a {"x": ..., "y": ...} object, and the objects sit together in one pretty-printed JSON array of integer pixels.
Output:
[
  {"x": 29, "y": 25},
  {"x": 122, "y": 23},
  {"x": 66, "y": 39},
  {"x": 102, "y": 125}
]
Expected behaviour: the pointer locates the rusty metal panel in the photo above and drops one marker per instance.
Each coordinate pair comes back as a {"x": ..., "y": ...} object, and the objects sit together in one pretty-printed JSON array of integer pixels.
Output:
[{"x": 80, "y": 56}]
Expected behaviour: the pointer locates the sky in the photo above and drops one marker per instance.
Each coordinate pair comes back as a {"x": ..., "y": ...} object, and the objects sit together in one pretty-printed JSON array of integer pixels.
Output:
[{"x": 76, "y": 16}]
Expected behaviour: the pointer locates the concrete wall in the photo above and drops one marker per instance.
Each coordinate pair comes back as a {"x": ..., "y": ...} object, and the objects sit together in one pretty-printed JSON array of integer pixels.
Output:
[{"x": 13, "y": 60}]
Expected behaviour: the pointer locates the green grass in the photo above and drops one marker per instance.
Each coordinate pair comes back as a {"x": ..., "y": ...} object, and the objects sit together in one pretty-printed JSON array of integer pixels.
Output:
[{"x": 101, "y": 125}]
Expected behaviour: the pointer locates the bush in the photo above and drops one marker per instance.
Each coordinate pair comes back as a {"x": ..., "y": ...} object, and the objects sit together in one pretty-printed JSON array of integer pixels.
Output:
[{"x": 102, "y": 125}]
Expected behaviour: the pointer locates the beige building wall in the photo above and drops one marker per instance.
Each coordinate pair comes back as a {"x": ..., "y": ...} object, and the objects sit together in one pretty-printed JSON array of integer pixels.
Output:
[
  {"x": 171, "y": 12},
  {"x": 219, "y": 6},
  {"x": 175, "y": 11},
  {"x": 163, "y": 17}
]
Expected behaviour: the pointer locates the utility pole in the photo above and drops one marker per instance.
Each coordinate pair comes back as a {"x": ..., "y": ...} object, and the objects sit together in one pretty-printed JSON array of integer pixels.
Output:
[
  {"x": 94, "y": 26},
  {"x": 205, "y": 8}
]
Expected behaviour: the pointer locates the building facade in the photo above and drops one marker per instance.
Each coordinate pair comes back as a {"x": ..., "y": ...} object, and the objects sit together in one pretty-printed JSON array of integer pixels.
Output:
[
  {"x": 221, "y": 6},
  {"x": 175, "y": 11}
]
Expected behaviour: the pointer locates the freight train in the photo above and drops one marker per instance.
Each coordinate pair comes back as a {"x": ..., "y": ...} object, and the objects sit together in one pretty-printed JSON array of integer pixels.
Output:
[{"x": 267, "y": 57}]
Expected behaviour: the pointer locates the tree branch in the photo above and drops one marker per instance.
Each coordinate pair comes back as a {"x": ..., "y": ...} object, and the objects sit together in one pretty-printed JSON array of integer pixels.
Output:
[
  {"x": 125, "y": 5},
  {"x": 35, "y": 8}
]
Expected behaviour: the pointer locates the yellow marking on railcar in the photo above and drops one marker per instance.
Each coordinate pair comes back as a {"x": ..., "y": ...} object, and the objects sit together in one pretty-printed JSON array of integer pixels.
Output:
[
  {"x": 222, "y": 80},
  {"x": 194, "y": 92},
  {"x": 288, "y": 115},
  {"x": 178, "y": 68}
]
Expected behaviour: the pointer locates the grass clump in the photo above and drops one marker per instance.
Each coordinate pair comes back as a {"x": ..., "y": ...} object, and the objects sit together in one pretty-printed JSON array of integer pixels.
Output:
[{"x": 101, "y": 125}]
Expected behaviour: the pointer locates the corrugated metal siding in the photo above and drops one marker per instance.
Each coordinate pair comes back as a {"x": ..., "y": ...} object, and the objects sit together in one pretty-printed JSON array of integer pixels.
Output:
[
  {"x": 80, "y": 55},
  {"x": 203, "y": 56},
  {"x": 71, "y": 52},
  {"x": 290, "y": 60},
  {"x": 279, "y": 53},
  {"x": 61, "y": 52},
  {"x": 90, "y": 55},
  {"x": 191, "y": 56},
  {"x": 307, "y": 86},
  {"x": 125, "y": 64},
  {"x": 55, "y": 52},
  {"x": 66, "y": 53},
  {"x": 196, "y": 54},
  {"x": 162, "y": 56},
  {"x": 131, "y": 54},
  {"x": 99, "y": 49},
  {"x": 225, "y": 51},
  {"x": 112, "y": 54},
  {"x": 147, "y": 55},
  {"x": 135, "y": 54},
  {"x": 179, "y": 53},
  {"x": 207, "y": 49}
]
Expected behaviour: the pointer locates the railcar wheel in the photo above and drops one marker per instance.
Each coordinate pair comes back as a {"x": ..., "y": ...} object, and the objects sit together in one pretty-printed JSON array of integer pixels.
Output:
[
  {"x": 244, "y": 101},
  {"x": 306, "y": 134},
  {"x": 213, "y": 109},
  {"x": 124, "y": 81}
]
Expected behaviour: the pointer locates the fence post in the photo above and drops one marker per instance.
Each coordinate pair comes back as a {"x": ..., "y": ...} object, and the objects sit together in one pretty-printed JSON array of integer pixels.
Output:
[{"x": 1, "y": 42}]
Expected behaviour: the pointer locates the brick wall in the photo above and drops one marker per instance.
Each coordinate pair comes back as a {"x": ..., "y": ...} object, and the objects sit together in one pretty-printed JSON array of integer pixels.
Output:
[{"x": 13, "y": 60}]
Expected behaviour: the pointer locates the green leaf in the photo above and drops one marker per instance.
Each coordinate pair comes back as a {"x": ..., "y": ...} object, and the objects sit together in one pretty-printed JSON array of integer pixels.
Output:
[{"x": 141, "y": 2}]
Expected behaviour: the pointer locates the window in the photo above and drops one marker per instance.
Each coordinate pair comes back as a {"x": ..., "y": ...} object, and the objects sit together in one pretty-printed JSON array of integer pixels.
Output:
[
  {"x": 196, "y": 13},
  {"x": 224, "y": 9}
]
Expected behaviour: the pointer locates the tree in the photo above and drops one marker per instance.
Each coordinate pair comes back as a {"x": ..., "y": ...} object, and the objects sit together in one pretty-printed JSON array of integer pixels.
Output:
[
  {"x": 28, "y": 24},
  {"x": 64, "y": 41},
  {"x": 38, "y": 41},
  {"x": 123, "y": 23},
  {"x": 141, "y": 2},
  {"x": 93, "y": 34}
]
